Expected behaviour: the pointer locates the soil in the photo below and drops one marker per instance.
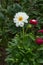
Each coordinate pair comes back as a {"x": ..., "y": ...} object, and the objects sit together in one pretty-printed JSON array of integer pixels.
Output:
[{"x": 2, "y": 56}]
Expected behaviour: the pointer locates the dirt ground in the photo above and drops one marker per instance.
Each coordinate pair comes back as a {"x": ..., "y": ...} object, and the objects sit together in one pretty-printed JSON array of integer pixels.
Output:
[{"x": 2, "y": 56}]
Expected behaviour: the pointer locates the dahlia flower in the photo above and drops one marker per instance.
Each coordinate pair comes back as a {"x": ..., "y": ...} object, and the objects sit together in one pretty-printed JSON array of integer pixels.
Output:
[{"x": 20, "y": 18}]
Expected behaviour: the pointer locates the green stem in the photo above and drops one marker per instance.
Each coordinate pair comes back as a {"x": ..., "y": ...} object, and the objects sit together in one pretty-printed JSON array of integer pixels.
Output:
[
  {"x": 23, "y": 31},
  {"x": 23, "y": 36},
  {"x": 27, "y": 28}
]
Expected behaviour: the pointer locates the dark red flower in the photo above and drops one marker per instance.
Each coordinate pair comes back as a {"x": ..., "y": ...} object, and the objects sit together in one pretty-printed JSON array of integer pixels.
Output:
[
  {"x": 33, "y": 21},
  {"x": 41, "y": 31},
  {"x": 39, "y": 41}
]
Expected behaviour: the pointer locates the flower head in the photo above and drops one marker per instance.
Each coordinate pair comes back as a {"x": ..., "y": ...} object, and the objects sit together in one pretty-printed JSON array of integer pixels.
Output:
[
  {"x": 33, "y": 21},
  {"x": 40, "y": 31},
  {"x": 20, "y": 18},
  {"x": 39, "y": 41}
]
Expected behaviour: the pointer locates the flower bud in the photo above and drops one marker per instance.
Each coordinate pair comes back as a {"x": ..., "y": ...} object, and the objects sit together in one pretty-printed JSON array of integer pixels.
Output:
[
  {"x": 29, "y": 26},
  {"x": 39, "y": 41},
  {"x": 41, "y": 31},
  {"x": 33, "y": 21}
]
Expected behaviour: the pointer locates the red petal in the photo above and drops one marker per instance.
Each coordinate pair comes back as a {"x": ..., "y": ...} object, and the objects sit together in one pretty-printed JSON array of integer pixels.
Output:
[
  {"x": 39, "y": 41},
  {"x": 33, "y": 21},
  {"x": 41, "y": 31}
]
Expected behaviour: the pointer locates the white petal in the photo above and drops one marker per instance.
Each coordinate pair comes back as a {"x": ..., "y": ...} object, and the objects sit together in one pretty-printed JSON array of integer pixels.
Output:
[
  {"x": 15, "y": 20},
  {"x": 17, "y": 25},
  {"x": 26, "y": 21},
  {"x": 25, "y": 16},
  {"x": 21, "y": 24}
]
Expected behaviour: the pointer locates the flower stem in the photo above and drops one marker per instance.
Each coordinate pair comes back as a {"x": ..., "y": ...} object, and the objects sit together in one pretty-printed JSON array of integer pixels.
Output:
[
  {"x": 23, "y": 34},
  {"x": 23, "y": 31}
]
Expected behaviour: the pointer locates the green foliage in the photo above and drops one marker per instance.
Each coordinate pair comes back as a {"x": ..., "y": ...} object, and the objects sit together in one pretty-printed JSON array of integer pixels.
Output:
[
  {"x": 21, "y": 51},
  {"x": 24, "y": 52}
]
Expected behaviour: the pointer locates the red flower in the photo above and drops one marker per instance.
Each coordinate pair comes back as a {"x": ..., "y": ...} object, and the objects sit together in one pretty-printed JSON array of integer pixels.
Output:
[
  {"x": 39, "y": 41},
  {"x": 33, "y": 21},
  {"x": 41, "y": 31}
]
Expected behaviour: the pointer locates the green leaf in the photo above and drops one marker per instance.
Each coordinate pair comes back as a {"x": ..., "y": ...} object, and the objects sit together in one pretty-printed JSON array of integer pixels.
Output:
[{"x": 40, "y": 60}]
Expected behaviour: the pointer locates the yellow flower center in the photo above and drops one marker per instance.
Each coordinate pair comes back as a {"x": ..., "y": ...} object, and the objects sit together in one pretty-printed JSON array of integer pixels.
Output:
[{"x": 20, "y": 18}]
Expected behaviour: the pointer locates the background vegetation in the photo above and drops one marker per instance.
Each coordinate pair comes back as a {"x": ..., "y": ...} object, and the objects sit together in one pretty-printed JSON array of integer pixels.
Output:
[{"x": 8, "y": 38}]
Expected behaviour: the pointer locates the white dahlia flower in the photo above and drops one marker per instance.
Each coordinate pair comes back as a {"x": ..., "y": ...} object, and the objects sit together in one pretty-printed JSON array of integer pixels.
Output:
[{"x": 20, "y": 18}]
